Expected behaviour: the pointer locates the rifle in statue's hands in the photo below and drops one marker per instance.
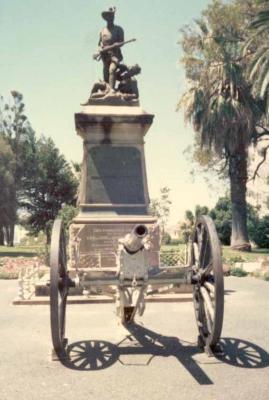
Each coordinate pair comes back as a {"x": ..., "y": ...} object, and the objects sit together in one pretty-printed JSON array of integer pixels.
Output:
[{"x": 97, "y": 56}]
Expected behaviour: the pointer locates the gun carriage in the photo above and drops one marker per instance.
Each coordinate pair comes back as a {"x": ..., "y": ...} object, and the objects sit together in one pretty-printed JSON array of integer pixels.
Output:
[{"x": 133, "y": 280}]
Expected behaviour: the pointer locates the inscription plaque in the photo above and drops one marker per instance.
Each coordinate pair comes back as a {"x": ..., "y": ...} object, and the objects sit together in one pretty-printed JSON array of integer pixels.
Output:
[
  {"x": 115, "y": 175},
  {"x": 98, "y": 243}
]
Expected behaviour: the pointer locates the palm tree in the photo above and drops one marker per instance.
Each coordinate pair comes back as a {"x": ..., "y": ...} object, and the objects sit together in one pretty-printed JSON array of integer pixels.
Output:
[
  {"x": 222, "y": 110},
  {"x": 259, "y": 45}
]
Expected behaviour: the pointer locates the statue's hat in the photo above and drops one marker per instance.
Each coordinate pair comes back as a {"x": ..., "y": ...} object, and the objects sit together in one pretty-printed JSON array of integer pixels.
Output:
[{"x": 110, "y": 11}]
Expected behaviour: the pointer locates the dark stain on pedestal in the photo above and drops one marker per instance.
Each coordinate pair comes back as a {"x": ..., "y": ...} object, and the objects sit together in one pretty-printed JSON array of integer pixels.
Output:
[{"x": 107, "y": 126}]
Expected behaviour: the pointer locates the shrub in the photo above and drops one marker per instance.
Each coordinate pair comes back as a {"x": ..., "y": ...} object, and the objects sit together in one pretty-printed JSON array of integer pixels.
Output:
[
  {"x": 239, "y": 272},
  {"x": 172, "y": 257},
  {"x": 8, "y": 275},
  {"x": 175, "y": 242},
  {"x": 259, "y": 232},
  {"x": 166, "y": 239},
  {"x": 266, "y": 276}
]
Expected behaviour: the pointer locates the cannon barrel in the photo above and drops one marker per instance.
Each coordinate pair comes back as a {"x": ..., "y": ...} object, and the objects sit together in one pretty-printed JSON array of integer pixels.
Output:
[{"x": 133, "y": 241}]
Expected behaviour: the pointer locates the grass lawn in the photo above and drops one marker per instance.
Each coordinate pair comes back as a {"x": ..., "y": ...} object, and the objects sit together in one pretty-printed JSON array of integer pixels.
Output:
[
  {"x": 254, "y": 255},
  {"x": 179, "y": 247},
  {"x": 228, "y": 253},
  {"x": 19, "y": 251},
  {"x": 32, "y": 251}
]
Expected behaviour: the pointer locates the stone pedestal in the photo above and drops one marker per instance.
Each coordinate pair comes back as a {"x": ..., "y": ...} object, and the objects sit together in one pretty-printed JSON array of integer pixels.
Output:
[{"x": 113, "y": 191}]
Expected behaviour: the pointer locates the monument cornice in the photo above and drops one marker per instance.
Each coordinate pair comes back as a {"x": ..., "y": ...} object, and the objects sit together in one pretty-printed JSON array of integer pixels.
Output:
[{"x": 83, "y": 119}]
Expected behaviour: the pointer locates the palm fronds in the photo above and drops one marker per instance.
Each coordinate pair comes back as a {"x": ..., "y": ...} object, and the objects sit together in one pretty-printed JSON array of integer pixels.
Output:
[{"x": 259, "y": 66}]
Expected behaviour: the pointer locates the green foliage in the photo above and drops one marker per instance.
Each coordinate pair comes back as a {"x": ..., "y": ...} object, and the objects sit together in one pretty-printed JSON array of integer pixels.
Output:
[
  {"x": 220, "y": 104},
  {"x": 201, "y": 210},
  {"x": 239, "y": 272},
  {"x": 258, "y": 50},
  {"x": 172, "y": 257},
  {"x": 222, "y": 216},
  {"x": 253, "y": 256},
  {"x": 259, "y": 232},
  {"x": 166, "y": 238},
  {"x": 6, "y": 275},
  {"x": 52, "y": 185},
  {"x": 33, "y": 241},
  {"x": 33, "y": 174},
  {"x": 43, "y": 254},
  {"x": 7, "y": 185},
  {"x": 67, "y": 213},
  {"x": 266, "y": 276},
  {"x": 186, "y": 227},
  {"x": 160, "y": 207},
  {"x": 16, "y": 130},
  {"x": 175, "y": 242},
  {"x": 233, "y": 259}
]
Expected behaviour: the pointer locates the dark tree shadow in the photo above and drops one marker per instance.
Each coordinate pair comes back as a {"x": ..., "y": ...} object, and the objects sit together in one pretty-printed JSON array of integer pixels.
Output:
[{"x": 95, "y": 355}]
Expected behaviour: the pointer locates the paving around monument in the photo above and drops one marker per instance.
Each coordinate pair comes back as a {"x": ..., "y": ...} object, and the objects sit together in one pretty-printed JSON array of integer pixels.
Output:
[{"x": 110, "y": 260}]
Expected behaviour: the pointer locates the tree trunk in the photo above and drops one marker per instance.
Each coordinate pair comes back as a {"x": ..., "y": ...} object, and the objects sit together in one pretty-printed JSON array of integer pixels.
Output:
[
  {"x": 238, "y": 181},
  {"x": 6, "y": 234},
  {"x": 48, "y": 236},
  {"x": 9, "y": 234},
  {"x": 2, "y": 237}
]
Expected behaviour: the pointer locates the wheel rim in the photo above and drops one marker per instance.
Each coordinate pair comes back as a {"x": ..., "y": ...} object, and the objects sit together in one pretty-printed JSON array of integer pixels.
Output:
[
  {"x": 58, "y": 287},
  {"x": 207, "y": 274}
]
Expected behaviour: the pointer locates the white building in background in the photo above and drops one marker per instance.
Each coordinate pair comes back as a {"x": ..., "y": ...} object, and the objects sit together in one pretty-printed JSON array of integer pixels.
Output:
[
  {"x": 173, "y": 231},
  {"x": 19, "y": 234},
  {"x": 258, "y": 189}
]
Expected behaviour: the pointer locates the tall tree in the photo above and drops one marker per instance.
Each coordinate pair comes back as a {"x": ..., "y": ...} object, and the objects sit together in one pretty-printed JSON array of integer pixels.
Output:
[
  {"x": 186, "y": 227},
  {"x": 53, "y": 185},
  {"x": 258, "y": 46},
  {"x": 160, "y": 207},
  {"x": 7, "y": 196},
  {"x": 219, "y": 102},
  {"x": 15, "y": 128}
]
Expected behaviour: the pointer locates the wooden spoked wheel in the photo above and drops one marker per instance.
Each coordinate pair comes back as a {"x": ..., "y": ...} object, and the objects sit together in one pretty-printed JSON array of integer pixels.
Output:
[
  {"x": 58, "y": 288},
  {"x": 208, "y": 285}
]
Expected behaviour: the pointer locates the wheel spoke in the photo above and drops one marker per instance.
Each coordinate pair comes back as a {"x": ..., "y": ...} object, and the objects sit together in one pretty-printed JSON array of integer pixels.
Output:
[
  {"x": 206, "y": 270},
  {"x": 204, "y": 252},
  {"x": 207, "y": 302},
  {"x": 196, "y": 252},
  {"x": 210, "y": 287},
  {"x": 209, "y": 321}
]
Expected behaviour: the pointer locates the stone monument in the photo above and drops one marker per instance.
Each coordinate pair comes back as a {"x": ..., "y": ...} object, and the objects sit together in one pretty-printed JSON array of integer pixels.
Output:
[{"x": 113, "y": 190}]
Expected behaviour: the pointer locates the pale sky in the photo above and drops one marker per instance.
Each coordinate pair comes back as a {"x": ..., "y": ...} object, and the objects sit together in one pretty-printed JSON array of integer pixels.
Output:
[{"x": 46, "y": 52}]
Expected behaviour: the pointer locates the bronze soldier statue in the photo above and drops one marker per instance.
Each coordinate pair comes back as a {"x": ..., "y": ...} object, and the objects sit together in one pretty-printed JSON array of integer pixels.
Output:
[
  {"x": 126, "y": 84},
  {"x": 110, "y": 41},
  {"x": 119, "y": 84}
]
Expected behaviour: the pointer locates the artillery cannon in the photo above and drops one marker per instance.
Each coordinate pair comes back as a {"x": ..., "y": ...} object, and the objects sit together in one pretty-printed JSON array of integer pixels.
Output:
[{"x": 132, "y": 279}]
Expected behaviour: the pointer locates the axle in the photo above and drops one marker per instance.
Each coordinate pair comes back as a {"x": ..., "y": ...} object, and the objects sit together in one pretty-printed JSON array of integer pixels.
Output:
[{"x": 182, "y": 276}]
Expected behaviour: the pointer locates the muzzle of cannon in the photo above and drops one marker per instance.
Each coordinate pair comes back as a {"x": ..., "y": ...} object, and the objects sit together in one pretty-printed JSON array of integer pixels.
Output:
[{"x": 134, "y": 241}]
